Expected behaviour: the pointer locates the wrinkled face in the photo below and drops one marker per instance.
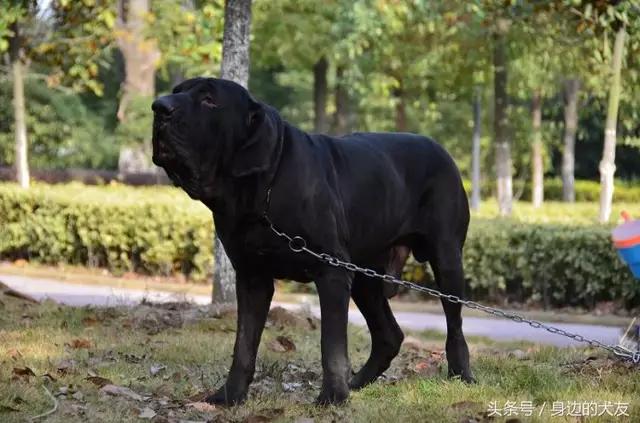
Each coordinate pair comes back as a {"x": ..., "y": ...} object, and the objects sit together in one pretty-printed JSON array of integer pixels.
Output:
[{"x": 199, "y": 127}]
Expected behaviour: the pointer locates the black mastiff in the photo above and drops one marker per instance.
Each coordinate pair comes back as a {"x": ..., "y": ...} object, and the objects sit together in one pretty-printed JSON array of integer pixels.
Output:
[{"x": 367, "y": 198}]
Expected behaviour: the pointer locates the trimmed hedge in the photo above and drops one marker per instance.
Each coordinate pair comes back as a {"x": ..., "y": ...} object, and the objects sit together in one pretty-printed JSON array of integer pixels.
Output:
[
  {"x": 112, "y": 227},
  {"x": 585, "y": 190},
  {"x": 160, "y": 231}
]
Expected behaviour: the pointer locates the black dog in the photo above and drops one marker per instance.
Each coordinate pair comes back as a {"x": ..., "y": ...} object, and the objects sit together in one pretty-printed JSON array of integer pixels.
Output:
[{"x": 367, "y": 198}]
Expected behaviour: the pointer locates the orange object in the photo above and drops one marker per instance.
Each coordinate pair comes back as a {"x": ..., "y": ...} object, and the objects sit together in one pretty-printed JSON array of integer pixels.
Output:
[
  {"x": 626, "y": 243},
  {"x": 625, "y": 215}
]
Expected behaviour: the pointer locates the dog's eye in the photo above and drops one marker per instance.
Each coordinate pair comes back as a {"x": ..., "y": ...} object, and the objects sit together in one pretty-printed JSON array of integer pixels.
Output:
[{"x": 207, "y": 101}]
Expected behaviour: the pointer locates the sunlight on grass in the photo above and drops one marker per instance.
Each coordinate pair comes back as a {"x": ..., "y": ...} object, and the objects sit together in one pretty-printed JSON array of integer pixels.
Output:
[{"x": 195, "y": 358}]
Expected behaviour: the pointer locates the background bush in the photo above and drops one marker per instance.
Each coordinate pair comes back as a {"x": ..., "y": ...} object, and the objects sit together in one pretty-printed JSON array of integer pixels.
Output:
[
  {"x": 159, "y": 231},
  {"x": 62, "y": 130},
  {"x": 585, "y": 190},
  {"x": 154, "y": 231}
]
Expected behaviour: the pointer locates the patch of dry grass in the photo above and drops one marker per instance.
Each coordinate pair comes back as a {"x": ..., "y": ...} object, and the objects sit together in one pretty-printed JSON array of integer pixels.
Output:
[{"x": 170, "y": 355}]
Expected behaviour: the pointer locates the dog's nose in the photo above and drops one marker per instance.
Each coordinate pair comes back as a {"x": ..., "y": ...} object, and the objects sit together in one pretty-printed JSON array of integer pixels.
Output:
[{"x": 163, "y": 106}]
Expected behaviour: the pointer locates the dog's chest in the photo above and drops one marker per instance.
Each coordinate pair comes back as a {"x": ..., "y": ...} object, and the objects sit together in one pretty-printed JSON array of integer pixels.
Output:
[{"x": 262, "y": 249}]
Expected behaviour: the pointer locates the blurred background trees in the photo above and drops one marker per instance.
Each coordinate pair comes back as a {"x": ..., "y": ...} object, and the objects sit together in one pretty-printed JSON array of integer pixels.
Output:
[{"x": 535, "y": 81}]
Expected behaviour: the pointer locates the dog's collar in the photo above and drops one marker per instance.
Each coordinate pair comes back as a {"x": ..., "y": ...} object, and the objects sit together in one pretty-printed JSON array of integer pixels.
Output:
[{"x": 267, "y": 200}]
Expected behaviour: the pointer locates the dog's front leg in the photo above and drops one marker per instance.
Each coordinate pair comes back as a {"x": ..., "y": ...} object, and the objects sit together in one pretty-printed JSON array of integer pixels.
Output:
[
  {"x": 254, "y": 295},
  {"x": 334, "y": 288}
]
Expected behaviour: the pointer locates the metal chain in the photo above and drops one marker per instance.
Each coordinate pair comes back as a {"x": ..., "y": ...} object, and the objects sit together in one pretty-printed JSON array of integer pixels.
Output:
[{"x": 297, "y": 244}]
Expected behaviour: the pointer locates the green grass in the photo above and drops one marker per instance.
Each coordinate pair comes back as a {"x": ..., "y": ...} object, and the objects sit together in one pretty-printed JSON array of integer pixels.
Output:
[{"x": 124, "y": 344}]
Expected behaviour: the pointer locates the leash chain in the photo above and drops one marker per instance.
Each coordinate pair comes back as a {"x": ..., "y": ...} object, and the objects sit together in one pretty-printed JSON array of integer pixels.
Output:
[{"x": 297, "y": 244}]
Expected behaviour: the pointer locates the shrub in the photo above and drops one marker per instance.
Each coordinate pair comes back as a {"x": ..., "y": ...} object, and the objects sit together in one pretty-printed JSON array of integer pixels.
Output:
[
  {"x": 62, "y": 131},
  {"x": 160, "y": 231},
  {"x": 122, "y": 229},
  {"x": 585, "y": 190},
  {"x": 551, "y": 264}
]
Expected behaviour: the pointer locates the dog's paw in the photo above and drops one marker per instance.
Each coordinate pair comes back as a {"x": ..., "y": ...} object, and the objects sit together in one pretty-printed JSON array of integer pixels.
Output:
[
  {"x": 333, "y": 397},
  {"x": 466, "y": 377},
  {"x": 226, "y": 397}
]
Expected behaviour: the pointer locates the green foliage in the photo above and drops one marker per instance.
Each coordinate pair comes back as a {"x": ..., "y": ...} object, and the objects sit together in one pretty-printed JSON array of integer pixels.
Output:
[
  {"x": 62, "y": 131},
  {"x": 550, "y": 264},
  {"x": 161, "y": 231},
  {"x": 11, "y": 12},
  {"x": 79, "y": 40},
  {"x": 553, "y": 264},
  {"x": 190, "y": 38},
  {"x": 136, "y": 129},
  {"x": 628, "y": 192},
  {"x": 122, "y": 229}
]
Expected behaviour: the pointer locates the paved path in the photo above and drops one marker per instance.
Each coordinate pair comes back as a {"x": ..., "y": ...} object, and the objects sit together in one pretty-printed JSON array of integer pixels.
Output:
[{"x": 498, "y": 329}]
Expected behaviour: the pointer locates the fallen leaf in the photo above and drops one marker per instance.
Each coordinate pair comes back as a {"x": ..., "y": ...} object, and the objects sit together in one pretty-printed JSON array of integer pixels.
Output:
[
  {"x": 99, "y": 381},
  {"x": 22, "y": 373},
  {"x": 426, "y": 368},
  {"x": 147, "y": 413},
  {"x": 203, "y": 407},
  {"x": 156, "y": 368},
  {"x": 65, "y": 366},
  {"x": 282, "y": 344},
  {"x": 199, "y": 397},
  {"x": 14, "y": 354},
  {"x": 80, "y": 343},
  {"x": 121, "y": 391},
  {"x": 90, "y": 321},
  {"x": 49, "y": 376}
]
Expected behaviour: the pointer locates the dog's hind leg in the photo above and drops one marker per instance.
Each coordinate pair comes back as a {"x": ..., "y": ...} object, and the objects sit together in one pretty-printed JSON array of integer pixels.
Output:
[
  {"x": 445, "y": 256},
  {"x": 386, "y": 335}
]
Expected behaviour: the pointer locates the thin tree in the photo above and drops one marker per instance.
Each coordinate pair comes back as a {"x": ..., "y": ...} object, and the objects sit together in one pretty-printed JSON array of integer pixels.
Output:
[
  {"x": 571, "y": 88},
  {"x": 320, "y": 88},
  {"x": 537, "y": 171},
  {"x": 19, "y": 110},
  {"x": 342, "y": 118},
  {"x": 140, "y": 53},
  {"x": 502, "y": 145},
  {"x": 235, "y": 67},
  {"x": 475, "y": 151},
  {"x": 607, "y": 164}
]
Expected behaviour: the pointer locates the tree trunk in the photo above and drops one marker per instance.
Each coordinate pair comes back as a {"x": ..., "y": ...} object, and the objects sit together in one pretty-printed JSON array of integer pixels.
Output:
[
  {"x": 607, "y": 165},
  {"x": 500, "y": 125},
  {"x": 475, "y": 152},
  {"x": 537, "y": 186},
  {"x": 19, "y": 111},
  {"x": 401, "y": 109},
  {"x": 235, "y": 67},
  {"x": 141, "y": 55},
  {"x": 571, "y": 87},
  {"x": 320, "y": 88},
  {"x": 235, "y": 41},
  {"x": 342, "y": 120}
]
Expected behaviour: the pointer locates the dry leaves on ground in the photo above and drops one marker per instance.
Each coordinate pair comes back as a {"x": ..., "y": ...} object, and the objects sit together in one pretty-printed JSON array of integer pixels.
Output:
[
  {"x": 80, "y": 343},
  {"x": 121, "y": 391}
]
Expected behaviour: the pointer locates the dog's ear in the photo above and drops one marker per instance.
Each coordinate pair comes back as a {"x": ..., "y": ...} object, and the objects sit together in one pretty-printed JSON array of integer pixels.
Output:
[{"x": 256, "y": 153}]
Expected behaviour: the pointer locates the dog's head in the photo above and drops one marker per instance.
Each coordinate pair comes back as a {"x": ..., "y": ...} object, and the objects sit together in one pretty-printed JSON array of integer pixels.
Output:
[{"x": 209, "y": 128}]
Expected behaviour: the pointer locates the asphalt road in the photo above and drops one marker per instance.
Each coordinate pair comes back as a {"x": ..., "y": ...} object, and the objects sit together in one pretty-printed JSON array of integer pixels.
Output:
[{"x": 498, "y": 329}]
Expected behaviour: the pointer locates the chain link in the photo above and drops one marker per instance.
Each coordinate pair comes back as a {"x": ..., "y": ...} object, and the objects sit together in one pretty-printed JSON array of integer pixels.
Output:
[{"x": 298, "y": 244}]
